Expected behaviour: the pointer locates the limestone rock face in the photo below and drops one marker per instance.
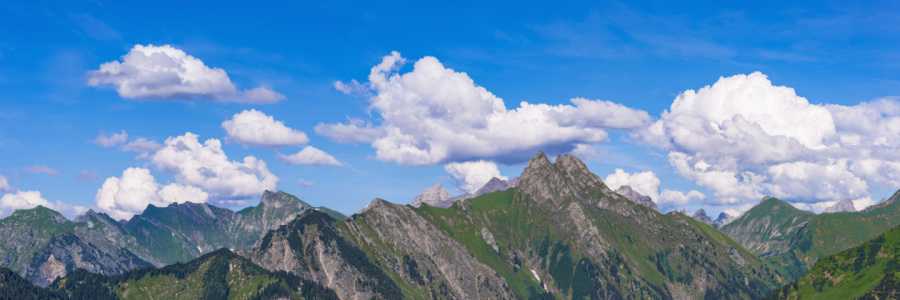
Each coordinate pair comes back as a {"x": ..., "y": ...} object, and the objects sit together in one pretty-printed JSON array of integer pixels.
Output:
[
  {"x": 633, "y": 195},
  {"x": 845, "y": 205},
  {"x": 412, "y": 245},
  {"x": 312, "y": 247},
  {"x": 435, "y": 195}
]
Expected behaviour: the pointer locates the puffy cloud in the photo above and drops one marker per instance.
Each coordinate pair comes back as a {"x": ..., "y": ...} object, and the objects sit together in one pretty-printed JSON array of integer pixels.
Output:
[
  {"x": 207, "y": 167},
  {"x": 647, "y": 184},
  {"x": 87, "y": 175},
  {"x": 166, "y": 73},
  {"x": 30, "y": 199},
  {"x": 585, "y": 152},
  {"x": 310, "y": 156},
  {"x": 141, "y": 145},
  {"x": 434, "y": 114},
  {"x": 123, "y": 197},
  {"x": 355, "y": 131},
  {"x": 472, "y": 175},
  {"x": 111, "y": 141},
  {"x": 4, "y": 184},
  {"x": 39, "y": 169},
  {"x": 254, "y": 128},
  {"x": 675, "y": 198},
  {"x": 744, "y": 138}
]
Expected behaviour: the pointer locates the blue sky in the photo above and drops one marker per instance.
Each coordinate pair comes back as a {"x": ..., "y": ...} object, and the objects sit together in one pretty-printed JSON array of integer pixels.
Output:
[{"x": 841, "y": 56}]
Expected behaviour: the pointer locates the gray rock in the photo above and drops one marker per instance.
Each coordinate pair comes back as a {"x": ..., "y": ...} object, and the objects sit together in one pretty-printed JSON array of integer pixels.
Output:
[
  {"x": 636, "y": 197},
  {"x": 489, "y": 239},
  {"x": 723, "y": 219},
  {"x": 845, "y": 205},
  {"x": 435, "y": 195},
  {"x": 700, "y": 215}
]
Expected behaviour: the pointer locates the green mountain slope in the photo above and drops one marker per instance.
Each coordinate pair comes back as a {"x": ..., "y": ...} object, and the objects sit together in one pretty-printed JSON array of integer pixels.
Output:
[
  {"x": 582, "y": 240},
  {"x": 219, "y": 274},
  {"x": 793, "y": 240},
  {"x": 560, "y": 234},
  {"x": 868, "y": 271}
]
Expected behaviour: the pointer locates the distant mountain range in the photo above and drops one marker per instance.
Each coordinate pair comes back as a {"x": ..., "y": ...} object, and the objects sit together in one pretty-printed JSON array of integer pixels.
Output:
[
  {"x": 41, "y": 244},
  {"x": 557, "y": 231},
  {"x": 437, "y": 196}
]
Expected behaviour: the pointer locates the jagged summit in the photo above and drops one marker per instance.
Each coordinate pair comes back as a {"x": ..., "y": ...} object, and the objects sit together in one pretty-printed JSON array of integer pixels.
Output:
[
  {"x": 566, "y": 178},
  {"x": 700, "y": 215},
  {"x": 636, "y": 197},
  {"x": 435, "y": 195},
  {"x": 723, "y": 219},
  {"x": 845, "y": 205}
]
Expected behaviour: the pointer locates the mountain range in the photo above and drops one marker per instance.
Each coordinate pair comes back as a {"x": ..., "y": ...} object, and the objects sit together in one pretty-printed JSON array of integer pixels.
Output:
[{"x": 557, "y": 231}]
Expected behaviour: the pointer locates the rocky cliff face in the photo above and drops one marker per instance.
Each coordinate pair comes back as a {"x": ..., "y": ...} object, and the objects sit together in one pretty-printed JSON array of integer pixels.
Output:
[
  {"x": 41, "y": 244},
  {"x": 633, "y": 195},
  {"x": 311, "y": 247},
  {"x": 435, "y": 195},
  {"x": 845, "y": 205},
  {"x": 425, "y": 256}
]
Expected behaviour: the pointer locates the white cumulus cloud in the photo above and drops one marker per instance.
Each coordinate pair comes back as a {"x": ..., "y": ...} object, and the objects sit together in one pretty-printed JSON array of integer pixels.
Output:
[
  {"x": 30, "y": 199},
  {"x": 310, "y": 156},
  {"x": 166, "y": 73},
  {"x": 254, "y": 128},
  {"x": 647, "y": 184},
  {"x": 472, "y": 175},
  {"x": 206, "y": 166},
  {"x": 744, "y": 137},
  {"x": 4, "y": 184},
  {"x": 123, "y": 197},
  {"x": 434, "y": 114}
]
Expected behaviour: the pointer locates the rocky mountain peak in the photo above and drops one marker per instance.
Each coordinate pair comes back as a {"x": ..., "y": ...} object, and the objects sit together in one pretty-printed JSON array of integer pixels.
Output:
[
  {"x": 629, "y": 193},
  {"x": 724, "y": 218},
  {"x": 845, "y": 205},
  {"x": 435, "y": 195},
  {"x": 566, "y": 178},
  {"x": 700, "y": 215},
  {"x": 39, "y": 212}
]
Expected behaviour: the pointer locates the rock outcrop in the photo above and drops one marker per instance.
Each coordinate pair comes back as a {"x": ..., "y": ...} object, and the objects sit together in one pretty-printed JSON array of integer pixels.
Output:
[
  {"x": 700, "y": 215},
  {"x": 845, "y": 205},
  {"x": 723, "y": 219},
  {"x": 633, "y": 195},
  {"x": 435, "y": 195}
]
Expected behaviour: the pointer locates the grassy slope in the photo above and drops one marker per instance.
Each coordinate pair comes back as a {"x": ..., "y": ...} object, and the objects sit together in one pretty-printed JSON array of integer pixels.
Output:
[
  {"x": 852, "y": 273},
  {"x": 824, "y": 234},
  {"x": 635, "y": 255},
  {"x": 217, "y": 275}
]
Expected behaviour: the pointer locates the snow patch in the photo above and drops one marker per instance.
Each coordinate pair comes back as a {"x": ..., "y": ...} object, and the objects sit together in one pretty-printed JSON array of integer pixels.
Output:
[{"x": 539, "y": 279}]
